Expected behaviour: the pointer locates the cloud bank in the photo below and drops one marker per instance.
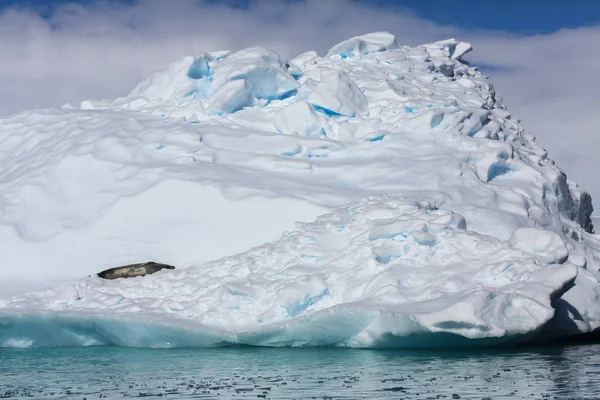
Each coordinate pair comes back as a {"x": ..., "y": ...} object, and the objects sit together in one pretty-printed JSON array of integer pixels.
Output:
[{"x": 102, "y": 50}]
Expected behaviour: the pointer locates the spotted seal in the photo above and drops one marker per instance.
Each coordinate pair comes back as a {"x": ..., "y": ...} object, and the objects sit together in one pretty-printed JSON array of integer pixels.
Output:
[{"x": 133, "y": 270}]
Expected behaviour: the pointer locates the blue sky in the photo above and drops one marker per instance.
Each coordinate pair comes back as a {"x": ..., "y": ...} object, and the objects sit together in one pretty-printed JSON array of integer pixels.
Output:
[
  {"x": 543, "y": 56},
  {"x": 515, "y": 16}
]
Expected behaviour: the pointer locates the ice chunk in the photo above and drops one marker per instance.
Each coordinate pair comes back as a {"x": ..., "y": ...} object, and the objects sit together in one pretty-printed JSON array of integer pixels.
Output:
[
  {"x": 200, "y": 68},
  {"x": 423, "y": 238},
  {"x": 302, "y": 61},
  {"x": 298, "y": 118},
  {"x": 240, "y": 64},
  {"x": 461, "y": 49},
  {"x": 231, "y": 97},
  {"x": 454, "y": 48},
  {"x": 377, "y": 41},
  {"x": 545, "y": 244},
  {"x": 337, "y": 94},
  {"x": 262, "y": 69},
  {"x": 270, "y": 84}
]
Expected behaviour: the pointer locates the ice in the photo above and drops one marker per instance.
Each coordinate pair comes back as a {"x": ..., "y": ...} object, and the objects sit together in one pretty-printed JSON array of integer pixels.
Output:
[
  {"x": 337, "y": 94},
  {"x": 378, "y": 41},
  {"x": 298, "y": 118},
  {"x": 44, "y": 330},
  {"x": 200, "y": 68},
  {"x": 380, "y": 196},
  {"x": 496, "y": 170},
  {"x": 455, "y": 48},
  {"x": 231, "y": 97},
  {"x": 331, "y": 328},
  {"x": 302, "y": 62},
  {"x": 271, "y": 85}
]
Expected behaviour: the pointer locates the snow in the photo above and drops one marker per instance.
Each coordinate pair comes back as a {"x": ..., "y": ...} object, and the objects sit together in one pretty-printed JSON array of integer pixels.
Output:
[
  {"x": 549, "y": 246},
  {"x": 380, "y": 196}
]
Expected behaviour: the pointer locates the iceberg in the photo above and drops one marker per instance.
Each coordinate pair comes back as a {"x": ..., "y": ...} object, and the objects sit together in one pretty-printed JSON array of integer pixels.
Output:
[{"x": 379, "y": 196}]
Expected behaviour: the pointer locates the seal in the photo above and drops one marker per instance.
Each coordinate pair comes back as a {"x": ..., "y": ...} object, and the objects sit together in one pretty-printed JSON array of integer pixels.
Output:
[{"x": 133, "y": 270}]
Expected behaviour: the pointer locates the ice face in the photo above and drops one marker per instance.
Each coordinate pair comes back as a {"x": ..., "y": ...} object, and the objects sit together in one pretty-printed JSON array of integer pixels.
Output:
[
  {"x": 378, "y": 41},
  {"x": 298, "y": 118},
  {"x": 362, "y": 200},
  {"x": 231, "y": 97},
  {"x": 335, "y": 94},
  {"x": 271, "y": 85},
  {"x": 200, "y": 68}
]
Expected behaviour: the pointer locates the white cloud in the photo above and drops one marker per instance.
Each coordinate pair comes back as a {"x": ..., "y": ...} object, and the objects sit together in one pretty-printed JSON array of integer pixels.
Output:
[
  {"x": 551, "y": 83},
  {"x": 103, "y": 50}
]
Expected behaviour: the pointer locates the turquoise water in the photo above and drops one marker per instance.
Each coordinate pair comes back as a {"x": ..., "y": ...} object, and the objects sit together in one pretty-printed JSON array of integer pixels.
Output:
[{"x": 117, "y": 373}]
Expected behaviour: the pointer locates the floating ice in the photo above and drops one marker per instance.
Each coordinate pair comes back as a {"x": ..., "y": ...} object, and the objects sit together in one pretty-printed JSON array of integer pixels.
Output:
[{"x": 380, "y": 196}]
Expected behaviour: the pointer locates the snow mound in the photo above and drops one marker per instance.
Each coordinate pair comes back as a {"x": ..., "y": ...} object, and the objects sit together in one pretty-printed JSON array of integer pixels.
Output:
[
  {"x": 548, "y": 245},
  {"x": 380, "y": 196}
]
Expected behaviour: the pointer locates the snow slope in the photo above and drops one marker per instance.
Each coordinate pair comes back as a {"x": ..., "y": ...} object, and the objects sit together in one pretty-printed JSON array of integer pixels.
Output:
[{"x": 379, "y": 196}]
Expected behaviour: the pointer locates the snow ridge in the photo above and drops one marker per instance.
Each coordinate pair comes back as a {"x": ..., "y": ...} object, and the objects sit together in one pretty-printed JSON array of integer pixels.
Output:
[{"x": 436, "y": 214}]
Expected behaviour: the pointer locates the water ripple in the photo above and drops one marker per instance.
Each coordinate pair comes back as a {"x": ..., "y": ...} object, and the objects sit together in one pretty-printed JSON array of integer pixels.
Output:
[{"x": 119, "y": 373}]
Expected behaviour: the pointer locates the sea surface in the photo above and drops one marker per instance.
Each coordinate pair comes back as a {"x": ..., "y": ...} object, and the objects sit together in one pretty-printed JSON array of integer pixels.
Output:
[{"x": 564, "y": 372}]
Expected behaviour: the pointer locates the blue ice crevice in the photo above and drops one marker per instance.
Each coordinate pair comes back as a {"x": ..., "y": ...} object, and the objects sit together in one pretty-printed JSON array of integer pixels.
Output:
[
  {"x": 497, "y": 169},
  {"x": 377, "y": 138},
  {"x": 325, "y": 111},
  {"x": 200, "y": 68},
  {"x": 437, "y": 120},
  {"x": 292, "y": 153}
]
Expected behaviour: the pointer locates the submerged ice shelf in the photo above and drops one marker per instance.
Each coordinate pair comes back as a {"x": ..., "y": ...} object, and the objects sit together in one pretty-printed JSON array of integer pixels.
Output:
[{"x": 379, "y": 196}]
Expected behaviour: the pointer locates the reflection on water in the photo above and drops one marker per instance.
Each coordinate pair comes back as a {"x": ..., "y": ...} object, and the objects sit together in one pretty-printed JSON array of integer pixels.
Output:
[{"x": 116, "y": 373}]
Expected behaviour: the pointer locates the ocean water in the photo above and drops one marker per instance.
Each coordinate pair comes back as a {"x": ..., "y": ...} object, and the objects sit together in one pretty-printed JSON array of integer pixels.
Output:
[{"x": 567, "y": 372}]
